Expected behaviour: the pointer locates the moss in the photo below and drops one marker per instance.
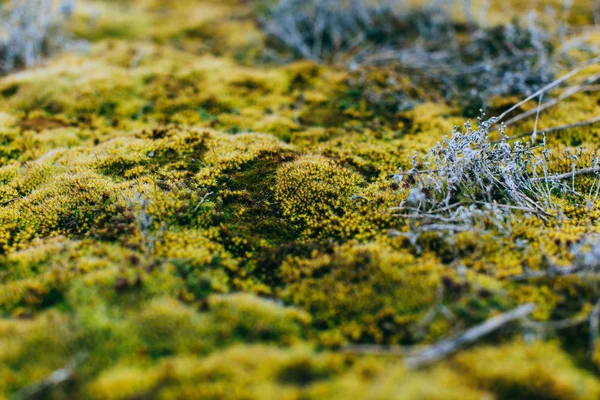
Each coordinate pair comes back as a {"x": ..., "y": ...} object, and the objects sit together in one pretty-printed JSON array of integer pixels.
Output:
[
  {"x": 367, "y": 292},
  {"x": 243, "y": 317},
  {"x": 101, "y": 20},
  {"x": 313, "y": 189},
  {"x": 536, "y": 370},
  {"x": 31, "y": 350},
  {"x": 122, "y": 383},
  {"x": 167, "y": 327},
  {"x": 200, "y": 219},
  {"x": 398, "y": 383},
  {"x": 235, "y": 372}
]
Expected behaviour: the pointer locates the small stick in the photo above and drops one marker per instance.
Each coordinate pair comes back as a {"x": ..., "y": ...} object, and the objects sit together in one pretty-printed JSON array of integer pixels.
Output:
[
  {"x": 448, "y": 347},
  {"x": 60, "y": 376},
  {"x": 592, "y": 121},
  {"x": 537, "y": 117},
  {"x": 7, "y": 202},
  {"x": 202, "y": 201},
  {"x": 554, "y": 325},
  {"x": 525, "y": 209},
  {"x": 137, "y": 58},
  {"x": 416, "y": 171},
  {"x": 585, "y": 171},
  {"x": 567, "y": 93},
  {"x": 591, "y": 88},
  {"x": 551, "y": 85}
]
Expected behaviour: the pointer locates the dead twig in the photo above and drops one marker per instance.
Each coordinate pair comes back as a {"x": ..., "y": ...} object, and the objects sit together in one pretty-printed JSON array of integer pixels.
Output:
[
  {"x": 524, "y": 209},
  {"x": 7, "y": 202},
  {"x": 549, "y": 87},
  {"x": 445, "y": 348},
  {"x": 554, "y": 325},
  {"x": 585, "y": 171},
  {"x": 591, "y": 88},
  {"x": 202, "y": 201},
  {"x": 59, "y": 377},
  {"x": 567, "y": 93},
  {"x": 559, "y": 128},
  {"x": 137, "y": 58}
]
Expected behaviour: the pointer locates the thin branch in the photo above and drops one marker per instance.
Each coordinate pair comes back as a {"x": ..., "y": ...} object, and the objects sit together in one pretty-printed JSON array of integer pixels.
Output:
[
  {"x": 415, "y": 171},
  {"x": 559, "y": 128},
  {"x": 550, "y": 86},
  {"x": 59, "y": 377},
  {"x": 137, "y": 58},
  {"x": 567, "y": 93},
  {"x": 591, "y": 88},
  {"x": 537, "y": 118},
  {"x": 357, "y": 197},
  {"x": 525, "y": 209},
  {"x": 202, "y": 201},
  {"x": 7, "y": 202},
  {"x": 448, "y": 347},
  {"x": 585, "y": 171},
  {"x": 554, "y": 325}
]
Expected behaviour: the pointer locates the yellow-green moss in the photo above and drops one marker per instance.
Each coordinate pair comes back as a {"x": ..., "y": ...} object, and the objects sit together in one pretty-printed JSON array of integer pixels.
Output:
[
  {"x": 267, "y": 193},
  {"x": 367, "y": 292},
  {"x": 537, "y": 370},
  {"x": 314, "y": 189}
]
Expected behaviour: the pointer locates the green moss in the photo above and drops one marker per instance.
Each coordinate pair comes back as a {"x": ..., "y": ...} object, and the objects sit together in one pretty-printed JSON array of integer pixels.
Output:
[
  {"x": 167, "y": 327},
  {"x": 537, "y": 371},
  {"x": 314, "y": 189},
  {"x": 184, "y": 216},
  {"x": 246, "y": 318},
  {"x": 367, "y": 292}
]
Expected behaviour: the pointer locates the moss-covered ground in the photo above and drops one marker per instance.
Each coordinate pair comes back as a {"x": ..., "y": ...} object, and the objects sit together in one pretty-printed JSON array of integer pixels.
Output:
[{"x": 183, "y": 217}]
